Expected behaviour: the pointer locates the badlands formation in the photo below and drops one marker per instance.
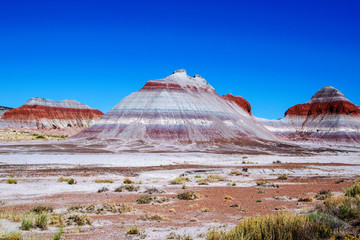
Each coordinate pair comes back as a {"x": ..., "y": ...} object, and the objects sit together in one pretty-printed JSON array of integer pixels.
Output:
[
  {"x": 328, "y": 117},
  {"x": 175, "y": 160},
  {"x": 179, "y": 108},
  {"x": 3, "y": 110},
  {"x": 37, "y": 114}
]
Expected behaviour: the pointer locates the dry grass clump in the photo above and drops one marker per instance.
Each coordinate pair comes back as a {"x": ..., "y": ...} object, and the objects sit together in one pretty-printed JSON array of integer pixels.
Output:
[
  {"x": 156, "y": 217},
  {"x": 144, "y": 199},
  {"x": 353, "y": 191},
  {"x": 103, "y": 189},
  {"x": 235, "y": 172},
  {"x": 203, "y": 182},
  {"x": 133, "y": 230},
  {"x": 11, "y": 236},
  {"x": 215, "y": 178},
  {"x": 323, "y": 194},
  {"x": 104, "y": 181},
  {"x": 153, "y": 190},
  {"x": 189, "y": 195},
  {"x": 205, "y": 209},
  {"x": 66, "y": 179},
  {"x": 128, "y": 181},
  {"x": 179, "y": 180},
  {"x": 41, "y": 208},
  {"x": 305, "y": 199},
  {"x": 228, "y": 198},
  {"x": 78, "y": 220},
  {"x": 283, "y": 177},
  {"x": 11, "y": 181},
  {"x": 283, "y": 226},
  {"x": 127, "y": 187},
  {"x": 102, "y": 208}
]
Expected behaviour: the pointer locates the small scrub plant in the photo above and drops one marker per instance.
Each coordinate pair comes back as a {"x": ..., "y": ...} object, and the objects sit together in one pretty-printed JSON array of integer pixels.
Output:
[
  {"x": 104, "y": 181},
  {"x": 133, "y": 230},
  {"x": 71, "y": 181},
  {"x": 58, "y": 235},
  {"x": 203, "y": 182},
  {"x": 215, "y": 178},
  {"x": 156, "y": 217},
  {"x": 189, "y": 195},
  {"x": 353, "y": 191},
  {"x": 305, "y": 199},
  {"x": 228, "y": 198},
  {"x": 261, "y": 191},
  {"x": 39, "y": 209},
  {"x": 128, "y": 181},
  {"x": 235, "y": 172},
  {"x": 283, "y": 177},
  {"x": 127, "y": 187},
  {"x": 40, "y": 137},
  {"x": 179, "y": 180},
  {"x": 144, "y": 199},
  {"x": 41, "y": 221},
  {"x": 26, "y": 222},
  {"x": 78, "y": 220},
  {"x": 205, "y": 209},
  {"x": 103, "y": 189},
  {"x": 197, "y": 176},
  {"x": 259, "y": 201},
  {"x": 11, "y": 181}
]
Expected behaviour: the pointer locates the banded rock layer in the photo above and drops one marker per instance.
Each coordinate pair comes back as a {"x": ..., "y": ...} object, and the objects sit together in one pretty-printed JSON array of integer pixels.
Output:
[
  {"x": 328, "y": 116},
  {"x": 177, "y": 108},
  {"x": 43, "y": 114},
  {"x": 3, "y": 110}
]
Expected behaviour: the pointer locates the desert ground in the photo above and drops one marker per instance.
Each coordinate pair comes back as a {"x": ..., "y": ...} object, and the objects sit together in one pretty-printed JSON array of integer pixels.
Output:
[{"x": 160, "y": 195}]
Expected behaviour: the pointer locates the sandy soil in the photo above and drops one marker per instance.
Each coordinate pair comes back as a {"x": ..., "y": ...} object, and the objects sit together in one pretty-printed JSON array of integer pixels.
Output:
[{"x": 249, "y": 182}]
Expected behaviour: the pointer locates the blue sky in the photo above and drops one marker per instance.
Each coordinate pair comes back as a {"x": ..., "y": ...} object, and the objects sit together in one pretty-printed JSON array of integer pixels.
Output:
[{"x": 273, "y": 53}]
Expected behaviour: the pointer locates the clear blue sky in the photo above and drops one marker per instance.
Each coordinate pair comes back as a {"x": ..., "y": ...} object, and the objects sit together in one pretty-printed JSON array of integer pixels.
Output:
[{"x": 273, "y": 53}]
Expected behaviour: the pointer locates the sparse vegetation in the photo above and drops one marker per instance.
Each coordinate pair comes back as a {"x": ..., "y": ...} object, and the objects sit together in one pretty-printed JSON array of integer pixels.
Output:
[
  {"x": 41, "y": 220},
  {"x": 39, "y": 209},
  {"x": 78, "y": 220},
  {"x": 58, "y": 235},
  {"x": 353, "y": 191},
  {"x": 156, "y": 217},
  {"x": 282, "y": 227},
  {"x": 235, "y": 172},
  {"x": 203, "y": 182},
  {"x": 26, "y": 222}
]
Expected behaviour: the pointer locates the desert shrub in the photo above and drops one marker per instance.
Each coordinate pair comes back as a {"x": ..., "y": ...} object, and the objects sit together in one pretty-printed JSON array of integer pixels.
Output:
[
  {"x": 144, "y": 199},
  {"x": 104, "y": 181},
  {"x": 261, "y": 191},
  {"x": 153, "y": 190},
  {"x": 41, "y": 221},
  {"x": 11, "y": 181},
  {"x": 78, "y": 220},
  {"x": 133, "y": 230},
  {"x": 127, "y": 187},
  {"x": 103, "y": 189},
  {"x": 56, "y": 220},
  {"x": 323, "y": 194},
  {"x": 40, "y": 137},
  {"x": 189, "y": 195},
  {"x": 128, "y": 181},
  {"x": 26, "y": 222},
  {"x": 353, "y": 191},
  {"x": 39, "y": 209},
  {"x": 281, "y": 227},
  {"x": 11, "y": 236},
  {"x": 71, "y": 181},
  {"x": 179, "y": 180}
]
